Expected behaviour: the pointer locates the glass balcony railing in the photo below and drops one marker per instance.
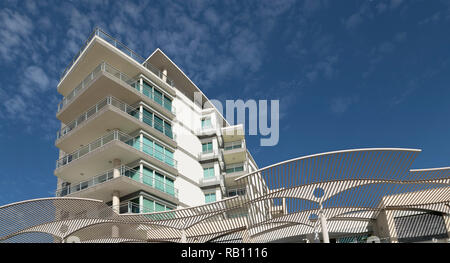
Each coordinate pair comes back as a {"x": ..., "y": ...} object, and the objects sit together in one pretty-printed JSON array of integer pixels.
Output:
[
  {"x": 103, "y": 35},
  {"x": 124, "y": 171},
  {"x": 115, "y": 135},
  {"x": 233, "y": 145},
  {"x": 132, "y": 111}
]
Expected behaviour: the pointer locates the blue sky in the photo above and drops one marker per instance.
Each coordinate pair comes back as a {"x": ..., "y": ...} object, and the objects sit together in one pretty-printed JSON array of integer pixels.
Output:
[{"x": 360, "y": 74}]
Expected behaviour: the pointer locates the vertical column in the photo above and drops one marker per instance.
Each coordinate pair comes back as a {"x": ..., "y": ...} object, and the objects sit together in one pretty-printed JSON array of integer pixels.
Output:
[
  {"x": 164, "y": 75},
  {"x": 141, "y": 86},
  {"x": 116, "y": 194},
  {"x": 115, "y": 231},
  {"x": 323, "y": 224}
]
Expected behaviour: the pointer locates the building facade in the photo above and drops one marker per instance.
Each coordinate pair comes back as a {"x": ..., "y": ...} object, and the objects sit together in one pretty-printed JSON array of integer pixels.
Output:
[{"x": 139, "y": 135}]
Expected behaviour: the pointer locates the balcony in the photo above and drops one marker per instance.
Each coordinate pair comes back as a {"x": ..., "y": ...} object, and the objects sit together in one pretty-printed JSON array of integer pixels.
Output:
[
  {"x": 210, "y": 181},
  {"x": 234, "y": 152},
  {"x": 101, "y": 45},
  {"x": 105, "y": 79},
  {"x": 234, "y": 171},
  {"x": 208, "y": 156},
  {"x": 98, "y": 155},
  {"x": 206, "y": 131},
  {"x": 110, "y": 113},
  {"x": 233, "y": 133},
  {"x": 130, "y": 181}
]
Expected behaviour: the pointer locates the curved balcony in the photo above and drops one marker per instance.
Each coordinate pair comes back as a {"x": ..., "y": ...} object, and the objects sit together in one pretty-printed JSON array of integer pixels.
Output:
[
  {"x": 105, "y": 79},
  {"x": 97, "y": 156},
  {"x": 110, "y": 113},
  {"x": 100, "y": 186}
]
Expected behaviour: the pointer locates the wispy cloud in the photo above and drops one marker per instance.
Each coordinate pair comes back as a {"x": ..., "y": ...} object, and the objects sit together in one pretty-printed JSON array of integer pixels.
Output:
[{"x": 340, "y": 105}]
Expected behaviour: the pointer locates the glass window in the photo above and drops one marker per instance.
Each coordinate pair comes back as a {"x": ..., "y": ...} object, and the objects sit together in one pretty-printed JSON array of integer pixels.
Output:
[
  {"x": 147, "y": 90},
  {"x": 147, "y": 176},
  {"x": 168, "y": 130},
  {"x": 209, "y": 198},
  {"x": 207, "y": 147},
  {"x": 208, "y": 172},
  {"x": 149, "y": 206},
  {"x": 159, "y": 207},
  {"x": 159, "y": 152},
  {"x": 157, "y": 96},
  {"x": 159, "y": 181},
  {"x": 167, "y": 103},
  {"x": 147, "y": 146},
  {"x": 159, "y": 124},
  {"x": 169, "y": 158},
  {"x": 170, "y": 189},
  {"x": 206, "y": 123},
  {"x": 147, "y": 117}
]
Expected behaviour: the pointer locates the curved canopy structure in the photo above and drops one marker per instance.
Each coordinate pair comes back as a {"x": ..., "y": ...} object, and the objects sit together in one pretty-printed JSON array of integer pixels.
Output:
[{"x": 352, "y": 192}]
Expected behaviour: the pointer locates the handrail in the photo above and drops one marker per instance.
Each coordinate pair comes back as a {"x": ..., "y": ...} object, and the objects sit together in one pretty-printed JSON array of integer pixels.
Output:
[
  {"x": 124, "y": 171},
  {"x": 116, "y": 136},
  {"x": 102, "y": 67},
  {"x": 153, "y": 96},
  {"x": 106, "y": 68},
  {"x": 119, "y": 45},
  {"x": 212, "y": 152},
  {"x": 132, "y": 111}
]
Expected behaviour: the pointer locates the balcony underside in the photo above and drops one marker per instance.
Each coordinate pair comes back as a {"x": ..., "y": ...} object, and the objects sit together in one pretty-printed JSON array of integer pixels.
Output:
[
  {"x": 233, "y": 133},
  {"x": 101, "y": 86},
  {"x": 98, "y": 51},
  {"x": 124, "y": 185},
  {"x": 234, "y": 156},
  {"x": 230, "y": 178},
  {"x": 100, "y": 160},
  {"x": 108, "y": 118}
]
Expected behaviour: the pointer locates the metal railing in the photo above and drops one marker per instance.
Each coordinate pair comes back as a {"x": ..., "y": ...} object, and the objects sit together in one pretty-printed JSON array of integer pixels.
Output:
[
  {"x": 132, "y": 111},
  {"x": 153, "y": 96},
  {"x": 133, "y": 208},
  {"x": 102, "y": 67},
  {"x": 117, "y": 136},
  {"x": 124, "y": 171},
  {"x": 228, "y": 146},
  {"x": 127, "y": 51}
]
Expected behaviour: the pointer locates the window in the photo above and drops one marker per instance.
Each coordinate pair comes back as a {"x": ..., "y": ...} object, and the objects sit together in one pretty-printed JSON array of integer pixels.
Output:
[
  {"x": 208, "y": 172},
  {"x": 209, "y": 198},
  {"x": 167, "y": 103},
  {"x": 159, "y": 181},
  {"x": 234, "y": 192},
  {"x": 168, "y": 130},
  {"x": 147, "y": 176},
  {"x": 207, "y": 147},
  {"x": 170, "y": 189},
  {"x": 206, "y": 123},
  {"x": 157, "y": 96},
  {"x": 159, "y": 125},
  {"x": 235, "y": 169},
  {"x": 148, "y": 117},
  {"x": 158, "y": 151},
  {"x": 147, "y": 90}
]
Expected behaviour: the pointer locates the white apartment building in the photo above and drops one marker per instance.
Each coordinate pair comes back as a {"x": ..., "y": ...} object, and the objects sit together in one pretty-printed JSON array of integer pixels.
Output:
[{"x": 140, "y": 135}]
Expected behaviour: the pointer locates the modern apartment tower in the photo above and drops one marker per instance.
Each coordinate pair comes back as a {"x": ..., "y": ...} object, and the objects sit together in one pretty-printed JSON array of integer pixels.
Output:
[{"x": 140, "y": 135}]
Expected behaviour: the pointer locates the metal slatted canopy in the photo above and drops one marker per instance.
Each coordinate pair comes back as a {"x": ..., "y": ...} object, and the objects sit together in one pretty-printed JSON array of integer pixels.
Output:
[{"x": 281, "y": 201}]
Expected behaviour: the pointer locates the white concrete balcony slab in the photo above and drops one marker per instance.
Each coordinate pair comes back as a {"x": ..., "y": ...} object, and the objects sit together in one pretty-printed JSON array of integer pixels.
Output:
[
  {"x": 106, "y": 80},
  {"x": 208, "y": 182},
  {"x": 209, "y": 156},
  {"x": 98, "y": 156},
  {"x": 130, "y": 181},
  {"x": 109, "y": 114},
  {"x": 101, "y": 47},
  {"x": 233, "y": 133},
  {"x": 234, "y": 152}
]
